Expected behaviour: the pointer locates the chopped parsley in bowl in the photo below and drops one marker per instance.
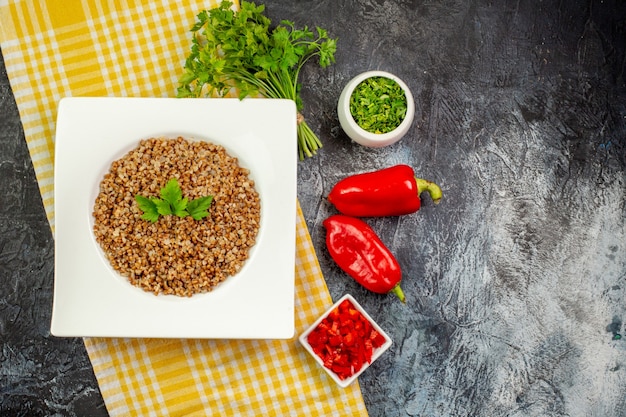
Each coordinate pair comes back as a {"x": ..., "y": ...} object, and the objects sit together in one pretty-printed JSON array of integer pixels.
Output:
[{"x": 376, "y": 109}]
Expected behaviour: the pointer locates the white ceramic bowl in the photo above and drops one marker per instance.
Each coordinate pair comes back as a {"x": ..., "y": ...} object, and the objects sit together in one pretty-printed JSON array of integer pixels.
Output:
[
  {"x": 375, "y": 355},
  {"x": 362, "y": 136}
]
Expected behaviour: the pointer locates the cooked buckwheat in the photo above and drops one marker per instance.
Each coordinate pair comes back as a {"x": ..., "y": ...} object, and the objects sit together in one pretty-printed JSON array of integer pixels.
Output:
[{"x": 175, "y": 255}]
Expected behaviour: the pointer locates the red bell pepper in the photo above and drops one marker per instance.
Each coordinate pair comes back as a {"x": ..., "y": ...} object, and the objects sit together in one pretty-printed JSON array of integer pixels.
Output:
[
  {"x": 345, "y": 340},
  {"x": 359, "y": 252},
  {"x": 392, "y": 191}
]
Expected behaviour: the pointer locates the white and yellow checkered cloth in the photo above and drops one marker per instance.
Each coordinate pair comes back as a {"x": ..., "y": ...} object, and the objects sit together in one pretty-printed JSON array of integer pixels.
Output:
[{"x": 128, "y": 48}]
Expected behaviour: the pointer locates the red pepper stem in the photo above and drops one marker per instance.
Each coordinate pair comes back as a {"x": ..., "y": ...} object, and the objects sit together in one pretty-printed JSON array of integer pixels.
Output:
[
  {"x": 398, "y": 291},
  {"x": 430, "y": 187}
]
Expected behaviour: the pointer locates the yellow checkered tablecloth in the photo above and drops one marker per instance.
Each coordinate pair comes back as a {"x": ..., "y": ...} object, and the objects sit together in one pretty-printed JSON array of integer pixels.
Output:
[{"x": 58, "y": 48}]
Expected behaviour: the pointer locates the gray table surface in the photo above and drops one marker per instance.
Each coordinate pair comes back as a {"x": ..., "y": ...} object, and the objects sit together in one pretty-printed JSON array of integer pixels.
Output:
[{"x": 515, "y": 283}]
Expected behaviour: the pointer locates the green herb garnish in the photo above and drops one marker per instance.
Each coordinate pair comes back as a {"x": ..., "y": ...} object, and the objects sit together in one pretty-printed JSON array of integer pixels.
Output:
[
  {"x": 378, "y": 104},
  {"x": 172, "y": 202},
  {"x": 238, "y": 49}
]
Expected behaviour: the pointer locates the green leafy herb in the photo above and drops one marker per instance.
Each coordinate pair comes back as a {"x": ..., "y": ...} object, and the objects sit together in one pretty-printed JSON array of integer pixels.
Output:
[
  {"x": 148, "y": 207},
  {"x": 237, "y": 48},
  {"x": 172, "y": 202},
  {"x": 378, "y": 104},
  {"x": 198, "y": 208}
]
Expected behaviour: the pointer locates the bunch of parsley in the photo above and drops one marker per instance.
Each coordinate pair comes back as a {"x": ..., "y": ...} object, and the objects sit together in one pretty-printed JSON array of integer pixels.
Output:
[{"x": 238, "y": 48}]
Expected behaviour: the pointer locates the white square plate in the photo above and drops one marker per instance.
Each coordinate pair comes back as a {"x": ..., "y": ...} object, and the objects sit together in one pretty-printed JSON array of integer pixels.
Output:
[{"x": 91, "y": 299}]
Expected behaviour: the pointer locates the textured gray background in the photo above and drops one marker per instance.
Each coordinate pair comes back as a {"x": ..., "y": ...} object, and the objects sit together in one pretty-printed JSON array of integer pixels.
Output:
[{"x": 515, "y": 283}]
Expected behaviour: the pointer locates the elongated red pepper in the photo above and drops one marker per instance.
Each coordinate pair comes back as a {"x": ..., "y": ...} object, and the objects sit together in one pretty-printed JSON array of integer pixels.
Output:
[
  {"x": 392, "y": 191},
  {"x": 359, "y": 252}
]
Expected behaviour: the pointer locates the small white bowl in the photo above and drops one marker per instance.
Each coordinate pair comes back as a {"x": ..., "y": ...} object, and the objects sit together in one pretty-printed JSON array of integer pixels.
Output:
[
  {"x": 362, "y": 136},
  {"x": 375, "y": 355}
]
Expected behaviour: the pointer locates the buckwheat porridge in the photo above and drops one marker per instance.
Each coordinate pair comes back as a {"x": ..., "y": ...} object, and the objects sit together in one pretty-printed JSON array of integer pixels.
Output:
[{"x": 177, "y": 255}]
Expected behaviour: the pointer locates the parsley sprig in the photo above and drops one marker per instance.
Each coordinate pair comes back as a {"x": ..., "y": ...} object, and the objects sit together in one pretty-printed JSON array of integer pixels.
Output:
[
  {"x": 172, "y": 202},
  {"x": 237, "y": 48}
]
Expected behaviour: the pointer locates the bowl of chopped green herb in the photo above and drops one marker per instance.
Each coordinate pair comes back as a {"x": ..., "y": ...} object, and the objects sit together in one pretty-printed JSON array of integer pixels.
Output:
[{"x": 376, "y": 109}]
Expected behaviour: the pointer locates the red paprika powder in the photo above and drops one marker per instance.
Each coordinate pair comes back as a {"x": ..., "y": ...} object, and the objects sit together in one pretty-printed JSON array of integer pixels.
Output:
[
  {"x": 392, "y": 191},
  {"x": 359, "y": 252}
]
